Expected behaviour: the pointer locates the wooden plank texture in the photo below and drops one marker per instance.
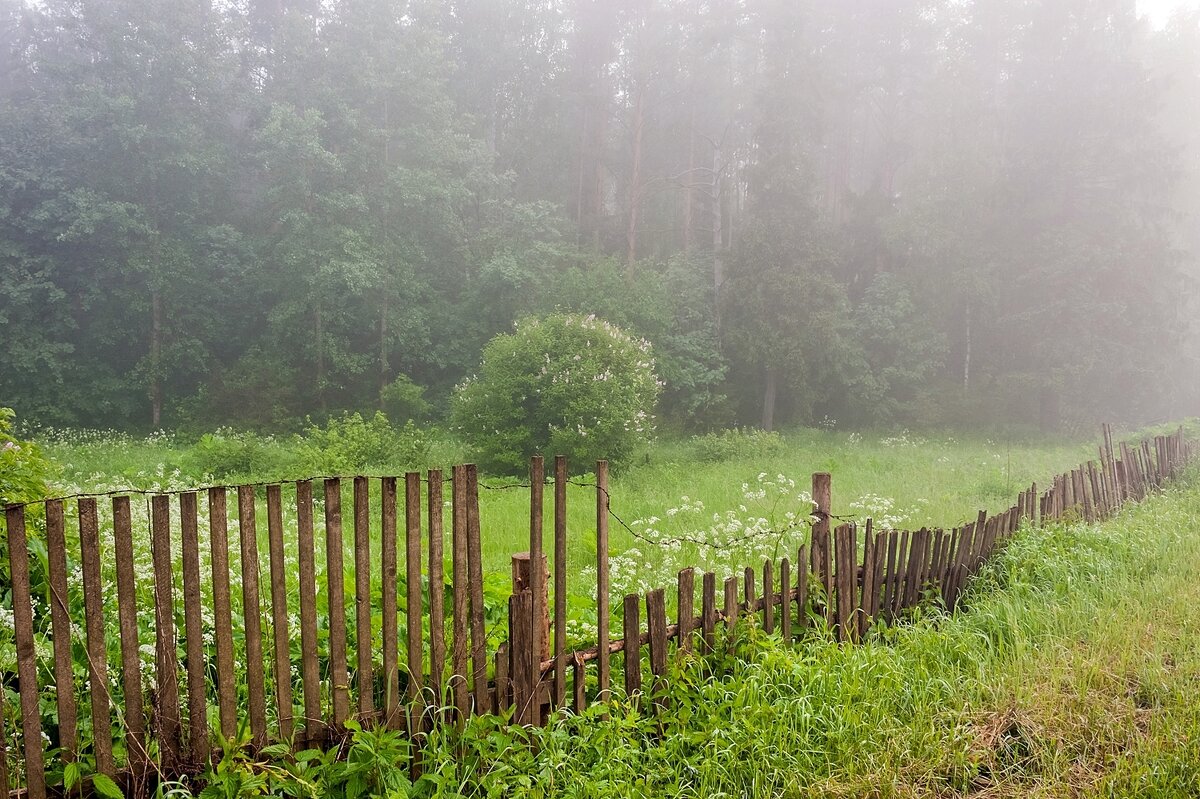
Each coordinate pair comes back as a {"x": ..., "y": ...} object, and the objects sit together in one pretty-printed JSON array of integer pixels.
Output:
[
  {"x": 603, "y": 668},
  {"x": 560, "y": 580},
  {"x": 193, "y": 627},
  {"x": 281, "y": 638},
  {"x": 97, "y": 653},
  {"x": 363, "y": 635},
  {"x": 60, "y": 621},
  {"x": 22, "y": 608},
  {"x": 218, "y": 526},
  {"x": 437, "y": 588},
  {"x": 479, "y": 653},
  {"x": 314, "y": 727},
  {"x": 252, "y": 617},
  {"x": 335, "y": 585},
  {"x": 389, "y": 634}
]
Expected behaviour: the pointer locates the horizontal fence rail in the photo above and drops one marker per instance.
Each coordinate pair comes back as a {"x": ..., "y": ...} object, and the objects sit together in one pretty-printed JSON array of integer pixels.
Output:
[{"x": 388, "y": 637}]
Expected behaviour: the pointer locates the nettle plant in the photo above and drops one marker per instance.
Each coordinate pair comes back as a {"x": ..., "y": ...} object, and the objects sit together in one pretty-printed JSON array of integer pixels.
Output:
[{"x": 564, "y": 385}]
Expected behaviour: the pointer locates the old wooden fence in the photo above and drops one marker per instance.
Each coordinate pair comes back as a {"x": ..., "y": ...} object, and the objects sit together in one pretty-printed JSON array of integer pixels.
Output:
[{"x": 143, "y": 727}]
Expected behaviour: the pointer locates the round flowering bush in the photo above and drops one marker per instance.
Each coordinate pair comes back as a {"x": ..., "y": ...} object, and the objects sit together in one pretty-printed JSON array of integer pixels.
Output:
[{"x": 564, "y": 385}]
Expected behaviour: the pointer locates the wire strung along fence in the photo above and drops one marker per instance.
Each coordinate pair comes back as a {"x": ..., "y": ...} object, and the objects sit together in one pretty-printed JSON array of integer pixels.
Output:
[{"x": 138, "y": 728}]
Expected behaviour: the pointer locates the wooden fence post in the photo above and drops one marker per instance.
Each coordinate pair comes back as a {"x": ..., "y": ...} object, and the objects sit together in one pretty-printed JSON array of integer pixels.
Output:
[
  {"x": 479, "y": 654},
  {"x": 538, "y": 582},
  {"x": 252, "y": 617},
  {"x": 31, "y": 716},
  {"x": 282, "y": 638},
  {"x": 388, "y": 573},
  {"x": 603, "y": 665},
  {"x": 458, "y": 641},
  {"x": 97, "y": 652},
  {"x": 632, "y": 647},
  {"x": 521, "y": 650},
  {"x": 560, "y": 580},
  {"x": 822, "y": 566}
]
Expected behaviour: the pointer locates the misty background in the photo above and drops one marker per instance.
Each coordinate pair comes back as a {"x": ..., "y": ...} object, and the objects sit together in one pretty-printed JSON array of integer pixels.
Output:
[{"x": 884, "y": 212}]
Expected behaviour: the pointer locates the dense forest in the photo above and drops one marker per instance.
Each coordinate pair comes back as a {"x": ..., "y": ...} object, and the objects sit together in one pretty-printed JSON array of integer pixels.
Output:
[{"x": 879, "y": 212}]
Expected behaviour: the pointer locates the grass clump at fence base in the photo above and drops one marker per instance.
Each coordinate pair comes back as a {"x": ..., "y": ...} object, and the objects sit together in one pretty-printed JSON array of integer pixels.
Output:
[{"x": 1072, "y": 673}]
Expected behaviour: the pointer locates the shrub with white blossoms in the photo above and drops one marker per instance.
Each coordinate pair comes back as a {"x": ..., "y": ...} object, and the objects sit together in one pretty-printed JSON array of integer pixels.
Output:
[
  {"x": 771, "y": 521},
  {"x": 564, "y": 385}
]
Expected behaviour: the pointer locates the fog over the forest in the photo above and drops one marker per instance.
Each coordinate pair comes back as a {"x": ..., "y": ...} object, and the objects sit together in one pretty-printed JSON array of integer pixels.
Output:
[{"x": 885, "y": 212}]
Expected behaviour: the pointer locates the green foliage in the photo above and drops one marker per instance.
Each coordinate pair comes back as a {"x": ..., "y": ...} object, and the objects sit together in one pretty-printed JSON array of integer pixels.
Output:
[
  {"x": 747, "y": 443},
  {"x": 226, "y": 452},
  {"x": 404, "y": 399},
  {"x": 564, "y": 385},
  {"x": 349, "y": 443},
  {"x": 24, "y": 470}
]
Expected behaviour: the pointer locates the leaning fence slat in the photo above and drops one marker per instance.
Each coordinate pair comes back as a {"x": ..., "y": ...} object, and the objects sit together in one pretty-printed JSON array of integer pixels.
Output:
[
  {"x": 458, "y": 642},
  {"x": 362, "y": 597},
  {"x": 97, "y": 653},
  {"x": 193, "y": 630},
  {"x": 801, "y": 587},
  {"x": 252, "y": 613},
  {"x": 415, "y": 656},
  {"x": 731, "y": 606},
  {"x": 603, "y": 666},
  {"x": 632, "y": 646},
  {"x": 864, "y": 613},
  {"x": 844, "y": 556},
  {"x": 309, "y": 676},
  {"x": 889, "y": 571},
  {"x": 879, "y": 567},
  {"x": 560, "y": 580},
  {"x": 282, "y": 638},
  {"x": 22, "y": 607},
  {"x": 685, "y": 598},
  {"x": 389, "y": 634},
  {"x": 656, "y": 623},
  {"x": 768, "y": 580},
  {"x": 218, "y": 525},
  {"x": 708, "y": 611},
  {"x": 335, "y": 583},
  {"x": 579, "y": 686},
  {"x": 60, "y": 620},
  {"x": 749, "y": 588},
  {"x": 537, "y": 576},
  {"x": 822, "y": 561},
  {"x": 166, "y": 663},
  {"x": 785, "y": 605},
  {"x": 521, "y": 646},
  {"x": 437, "y": 588},
  {"x": 503, "y": 698},
  {"x": 479, "y": 653}
]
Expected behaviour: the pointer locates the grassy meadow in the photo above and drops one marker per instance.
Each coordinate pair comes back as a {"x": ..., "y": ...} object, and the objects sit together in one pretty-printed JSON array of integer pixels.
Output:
[{"x": 672, "y": 489}]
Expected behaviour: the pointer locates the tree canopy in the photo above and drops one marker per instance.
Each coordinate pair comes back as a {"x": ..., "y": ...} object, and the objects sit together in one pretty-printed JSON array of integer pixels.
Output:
[{"x": 926, "y": 211}]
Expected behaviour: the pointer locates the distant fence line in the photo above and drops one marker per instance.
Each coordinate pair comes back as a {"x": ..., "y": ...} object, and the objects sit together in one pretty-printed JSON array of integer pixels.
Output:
[{"x": 165, "y": 732}]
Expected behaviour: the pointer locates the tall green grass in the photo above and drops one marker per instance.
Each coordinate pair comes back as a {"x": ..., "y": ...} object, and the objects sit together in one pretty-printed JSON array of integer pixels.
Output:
[{"x": 1071, "y": 672}]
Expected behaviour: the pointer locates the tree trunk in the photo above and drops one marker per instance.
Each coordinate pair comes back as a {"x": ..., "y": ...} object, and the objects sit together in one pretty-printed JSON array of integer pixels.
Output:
[
  {"x": 967, "y": 355},
  {"x": 319, "y": 331},
  {"x": 635, "y": 180},
  {"x": 770, "y": 389},
  {"x": 156, "y": 389},
  {"x": 383, "y": 353},
  {"x": 689, "y": 199},
  {"x": 718, "y": 256}
]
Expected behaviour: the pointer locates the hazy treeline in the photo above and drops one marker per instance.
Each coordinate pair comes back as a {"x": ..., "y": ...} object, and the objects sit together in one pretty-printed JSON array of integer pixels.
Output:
[{"x": 885, "y": 211}]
